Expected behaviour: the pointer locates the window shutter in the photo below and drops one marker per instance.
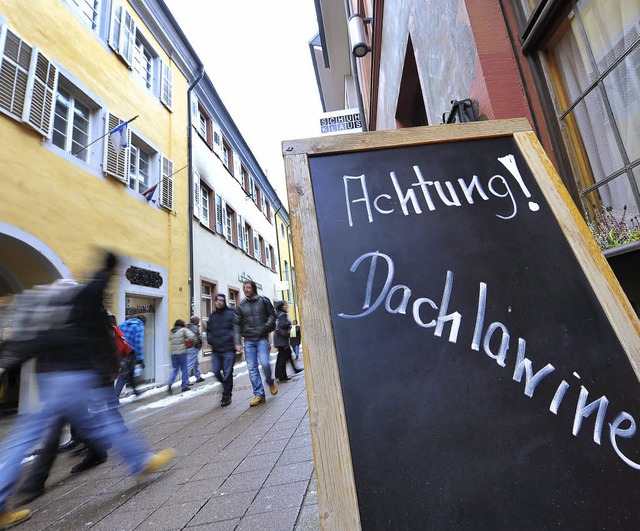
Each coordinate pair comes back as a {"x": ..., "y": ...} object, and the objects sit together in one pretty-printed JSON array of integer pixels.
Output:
[
  {"x": 240, "y": 225},
  {"x": 41, "y": 91},
  {"x": 195, "y": 113},
  {"x": 196, "y": 195},
  {"x": 116, "y": 165},
  {"x": 267, "y": 256},
  {"x": 166, "y": 88},
  {"x": 256, "y": 245},
  {"x": 245, "y": 239},
  {"x": 14, "y": 73},
  {"x": 217, "y": 139},
  {"x": 219, "y": 216},
  {"x": 123, "y": 33},
  {"x": 237, "y": 167},
  {"x": 166, "y": 184}
]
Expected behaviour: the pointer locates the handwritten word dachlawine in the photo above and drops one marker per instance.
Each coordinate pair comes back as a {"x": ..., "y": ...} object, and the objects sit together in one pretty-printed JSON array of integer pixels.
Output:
[
  {"x": 482, "y": 338},
  {"x": 356, "y": 191}
]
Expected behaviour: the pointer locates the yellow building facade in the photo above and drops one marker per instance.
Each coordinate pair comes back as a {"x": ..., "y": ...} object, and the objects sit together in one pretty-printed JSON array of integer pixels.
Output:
[
  {"x": 70, "y": 72},
  {"x": 287, "y": 269}
]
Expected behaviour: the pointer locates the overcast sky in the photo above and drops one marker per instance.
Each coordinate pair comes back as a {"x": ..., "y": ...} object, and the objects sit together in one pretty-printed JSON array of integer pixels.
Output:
[{"x": 256, "y": 52}]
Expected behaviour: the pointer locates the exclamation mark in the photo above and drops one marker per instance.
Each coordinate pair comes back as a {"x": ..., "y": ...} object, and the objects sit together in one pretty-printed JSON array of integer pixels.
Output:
[{"x": 509, "y": 162}]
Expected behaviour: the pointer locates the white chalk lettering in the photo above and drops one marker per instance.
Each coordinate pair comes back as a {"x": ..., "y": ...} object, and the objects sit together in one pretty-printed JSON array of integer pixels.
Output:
[
  {"x": 583, "y": 410},
  {"x": 443, "y": 317},
  {"x": 365, "y": 196},
  {"x": 625, "y": 433},
  {"x": 524, "y": 365},
  {"x": 423, "y": 185},
  {"x": 406, "y": 294},
  {"x": 416, "y": 312},
  {"x": 448, "y": 201},
  {"x": 507, "y": 193},
  {"x": 509, "y": 162},
  {"x": 410, "y": 196},
  {"x": 504, "y": 343},
  {"x": 467, "y": 189},
  {"x": 482, "y": 305},
  {"x": 377, "y": 206},
  {"x": 557, "y": 398}
]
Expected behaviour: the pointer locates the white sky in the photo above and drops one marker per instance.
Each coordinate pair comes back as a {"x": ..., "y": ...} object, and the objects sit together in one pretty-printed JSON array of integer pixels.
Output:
[{"x": 256, "y": 52}]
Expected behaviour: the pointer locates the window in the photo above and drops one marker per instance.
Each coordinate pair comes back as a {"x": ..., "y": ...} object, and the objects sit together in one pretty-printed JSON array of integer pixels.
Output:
[
  {"x": 258, "y": 198},
  {"x": 256, "y": 246},
  {"x": 205, "y": 200},
  {"x": 268, "y": 212},
  {"x": 262, "y": 256},
  {"x": 272, "y": 258},
  {"x": 282, "y": 229},
  {"x": 71, "y": 124},
  {"x": 227, "y": 156},
  {"x": 596, "y": 81},
  {"x": 230, "y": 225},
  {"x": 204, "y": 125},
  {"x": 286, "y": 271},
  {"x": 244, "y": 178},
  {"x": 206, "y": 297},
  {"x": 267, "y": 255},
  {"x": 247, "y": 234},
  {"x": 142, "y": 61},
  {"x": 28, "y": 83},
  {"x": 88, "y": 11},
  {"x": 233, "y": 297},
  {"x": 139, "y": 169}
]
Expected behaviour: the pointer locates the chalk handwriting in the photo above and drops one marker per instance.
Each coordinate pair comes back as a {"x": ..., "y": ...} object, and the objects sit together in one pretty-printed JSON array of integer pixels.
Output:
[
  {"x": 426, "y": 313},
  {"x": 434, "y": 193}
]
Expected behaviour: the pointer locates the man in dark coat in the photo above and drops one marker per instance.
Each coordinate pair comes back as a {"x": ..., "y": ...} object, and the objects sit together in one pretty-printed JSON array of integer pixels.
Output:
[
  {"x": 254, "y": 320},
  {"x": 223, "y": 350},
  {"x": 281, "y": 342}
]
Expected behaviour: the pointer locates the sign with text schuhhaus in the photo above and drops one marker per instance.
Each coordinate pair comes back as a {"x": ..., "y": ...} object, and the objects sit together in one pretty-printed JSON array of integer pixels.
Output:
[{"x": 471, "y": 361}]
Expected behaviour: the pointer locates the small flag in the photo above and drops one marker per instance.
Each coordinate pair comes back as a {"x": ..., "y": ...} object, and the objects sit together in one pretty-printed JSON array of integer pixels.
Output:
[
  {"x": 148, "y": 193},
  {"x": 119, "y": 137}
]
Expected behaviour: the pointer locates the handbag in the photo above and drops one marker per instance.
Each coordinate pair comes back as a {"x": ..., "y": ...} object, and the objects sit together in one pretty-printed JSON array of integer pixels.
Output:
[{"x": 187, "y": 342}]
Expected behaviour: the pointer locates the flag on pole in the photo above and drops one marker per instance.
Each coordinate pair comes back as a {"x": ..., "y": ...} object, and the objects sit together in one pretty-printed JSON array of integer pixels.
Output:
[
  {"x": 119, "y": 137},
  {"x": 148, "y": 193}
]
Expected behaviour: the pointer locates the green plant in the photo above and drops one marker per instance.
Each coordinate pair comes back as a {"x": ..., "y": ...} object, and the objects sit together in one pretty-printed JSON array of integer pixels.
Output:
[{"x": 611, "y": 231}]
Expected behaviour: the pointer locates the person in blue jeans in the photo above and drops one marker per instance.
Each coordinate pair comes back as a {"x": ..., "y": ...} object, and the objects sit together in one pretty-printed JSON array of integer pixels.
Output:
[
  {"x": 181, "y": 339},
  {"x": 194, "y": 363},
  {"x": 223, "y": 350},
  {"x": 254, "y": 320},
  {"x": 75, "y": 352}
]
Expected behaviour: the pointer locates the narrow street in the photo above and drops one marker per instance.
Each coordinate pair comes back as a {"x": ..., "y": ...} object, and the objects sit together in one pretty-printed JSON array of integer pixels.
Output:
[{"x": 238, "y": 468}]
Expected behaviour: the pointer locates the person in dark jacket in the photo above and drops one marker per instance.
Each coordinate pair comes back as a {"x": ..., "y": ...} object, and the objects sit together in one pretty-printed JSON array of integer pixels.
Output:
[
  {"x": 255, "y": 319},
  {"x": 223, "y": 350},
  {"x": 295, "y": 338},
  {"x": 281, "y": 342},
  {"x": 67, "y": 332}
]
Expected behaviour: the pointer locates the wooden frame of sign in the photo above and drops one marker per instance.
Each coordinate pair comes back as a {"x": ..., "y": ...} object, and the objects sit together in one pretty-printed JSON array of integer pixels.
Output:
[{"x": 353, "y": 498}]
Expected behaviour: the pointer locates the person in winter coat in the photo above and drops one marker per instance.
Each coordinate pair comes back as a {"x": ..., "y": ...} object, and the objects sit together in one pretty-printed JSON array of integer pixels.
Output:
[
  {"x": 295, "y": 338},
  {"x": 181, "y": 340},
  {"x": 255, "y": 319},
  {"x": 133, "y": 330},
  {"x": 281, "y": 342},
  {"x": 194, "y": 364},
  {"x": 223, "y": 350}
]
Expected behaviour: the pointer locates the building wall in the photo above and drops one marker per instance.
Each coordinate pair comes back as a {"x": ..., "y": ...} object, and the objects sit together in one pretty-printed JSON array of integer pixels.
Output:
[{"x": 70, "y": 206}]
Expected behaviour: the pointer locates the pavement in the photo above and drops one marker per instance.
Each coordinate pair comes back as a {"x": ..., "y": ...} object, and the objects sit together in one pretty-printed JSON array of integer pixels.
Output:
[{"x": 238, "y": 467}]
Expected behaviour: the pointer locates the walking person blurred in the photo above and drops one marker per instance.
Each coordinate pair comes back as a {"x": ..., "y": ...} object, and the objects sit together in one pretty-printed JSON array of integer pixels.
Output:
[
  {"x": 68, "y": 335},
  {"x": 295, "y": 338},
  {"x": 281, "y": 337},
  {"x": 133, "y": 330},
  {"x": 254, "y": 320},
  {"x": 181, "y": 340},
  {"x": 223, "y": 350},
  {"x": 194, "y": 351}
]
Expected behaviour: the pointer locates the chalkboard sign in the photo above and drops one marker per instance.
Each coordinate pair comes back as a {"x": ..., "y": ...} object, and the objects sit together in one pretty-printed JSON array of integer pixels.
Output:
[{"x": 471, "y": 360}]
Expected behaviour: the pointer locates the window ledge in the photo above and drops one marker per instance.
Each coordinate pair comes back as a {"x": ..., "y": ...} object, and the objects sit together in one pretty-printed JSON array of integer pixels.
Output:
[{"x": 621, "y": 249}]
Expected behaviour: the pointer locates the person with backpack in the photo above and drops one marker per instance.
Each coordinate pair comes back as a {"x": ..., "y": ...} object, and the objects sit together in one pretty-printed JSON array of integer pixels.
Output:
[
  {"x": 194, "y": 351},
  {"x": 181, "y": 340},
  {"x": 255, "y": 319},
  {"x": 133, "y": 330}
]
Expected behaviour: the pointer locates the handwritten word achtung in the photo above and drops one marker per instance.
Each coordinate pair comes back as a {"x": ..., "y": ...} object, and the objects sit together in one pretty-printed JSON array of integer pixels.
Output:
[
  {"x": 426, "y": 313},
  {"x": 434, "y": 193}
]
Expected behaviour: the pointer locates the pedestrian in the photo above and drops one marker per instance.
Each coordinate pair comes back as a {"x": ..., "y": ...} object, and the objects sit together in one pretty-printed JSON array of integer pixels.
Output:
[
  {"x": 181, "y": 339},
  {"x": 133, "y": 330},
  {"x": 254, "y": 320},
  {"x": 295, "y": 338},
  {"x": 223, "y": 350},
  {"x": 68, "y": 336},
  {"x": 281, "y": 342},
  {"x": 194, "y": 351}
]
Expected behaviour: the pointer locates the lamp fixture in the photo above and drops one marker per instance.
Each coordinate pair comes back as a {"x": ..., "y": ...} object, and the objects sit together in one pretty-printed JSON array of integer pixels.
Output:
[{"x": 357, "y": 38}]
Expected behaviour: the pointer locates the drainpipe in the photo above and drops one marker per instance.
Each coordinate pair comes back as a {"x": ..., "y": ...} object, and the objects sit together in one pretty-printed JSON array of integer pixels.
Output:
[{"x": 190, "y": 179}]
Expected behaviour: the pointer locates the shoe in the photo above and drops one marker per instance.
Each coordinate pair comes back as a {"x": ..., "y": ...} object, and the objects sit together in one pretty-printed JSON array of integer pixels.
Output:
[
  {"x": 156, "y": 462},
  {"x": 79, "y": 450},
  {"x": 185, "y": 390},
  {"x": 273, "y": 388},
  {"x": 200, "y": 380},
  {"x": 10, "y": 518},
  {"x": 24, "y": 496},
  {"x": 298, "y": 371},
  {"x": 280, "y": 380},
  {"x": 169, "y": 391},
  {"x": 257, "y": 400},
  {"x": 226, "y": 400},
  {"x": 69, "y": 445},
  {"x": 89, "y": 462}
]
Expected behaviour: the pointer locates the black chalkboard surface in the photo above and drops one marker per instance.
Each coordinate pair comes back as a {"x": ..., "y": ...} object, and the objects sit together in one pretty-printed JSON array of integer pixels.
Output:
[{"x": 484, "y": 386}]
